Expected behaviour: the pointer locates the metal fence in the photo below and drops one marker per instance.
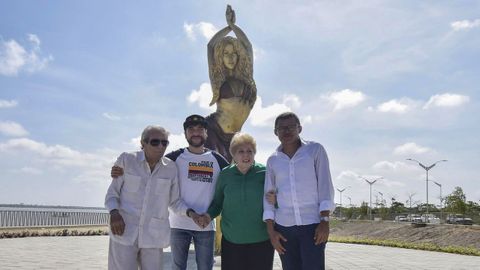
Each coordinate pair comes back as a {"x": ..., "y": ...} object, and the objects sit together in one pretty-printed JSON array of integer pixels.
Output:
[{"x": 52, "y": 217}]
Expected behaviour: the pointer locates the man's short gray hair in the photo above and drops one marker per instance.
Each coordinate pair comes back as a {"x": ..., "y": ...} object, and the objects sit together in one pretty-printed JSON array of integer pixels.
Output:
[{"x": 146, "y": 132}]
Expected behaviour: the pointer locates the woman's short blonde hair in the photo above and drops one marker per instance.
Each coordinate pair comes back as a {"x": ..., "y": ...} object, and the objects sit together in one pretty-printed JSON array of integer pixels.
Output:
[{"x": 241, "y": 139}]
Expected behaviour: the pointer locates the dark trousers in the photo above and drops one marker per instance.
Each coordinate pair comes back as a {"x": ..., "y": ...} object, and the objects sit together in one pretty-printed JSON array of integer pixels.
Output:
[
  {"x": 301, "y": 252},
  {"x": 255, "y": 256}
]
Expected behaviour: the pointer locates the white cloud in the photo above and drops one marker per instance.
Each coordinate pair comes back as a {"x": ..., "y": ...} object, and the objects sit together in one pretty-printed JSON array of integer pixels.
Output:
[
  {"x": 94, "y": 176},
  {"x": 410, "y": 148},
  {"x": 263, "y": 116},
  {"x": 135, "y": 143},
  {"x": 34, "y": 39},
  {"x": 202, "y": 97},
  {"x": 14, "y": 57},
  {"x": 205, "y": 29},
  {"x": 465, "y": 24},
  {"x": 446, "y": 100},
  {"x": 347, "y": 175},
  {"x": 188, "y": 28},
  {"x": 10, "y": 128},
  {"x": 112, "y": 117},
  {"x": 8, "y": 104},
  {"x": 177, "y": 141},
  {"x": 385, "y": 165},
  {"x": 390, "y": 166},
  {"x": 394, "y": 106},
  {"x": 58, "y": 155},
  {"x": 258, "y": 53},
  {"x": 60, "y": 159},
  {"x": 292, "y": 101},
  {"x": 345, "y": 98},
  {"x": 31, "y": 170},
  {"x": 306, "y": 120},
  {"x": 262, "y": 155}
]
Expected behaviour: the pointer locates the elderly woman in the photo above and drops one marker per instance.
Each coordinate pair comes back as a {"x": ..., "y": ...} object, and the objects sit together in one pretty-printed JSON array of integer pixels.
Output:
[{"x": 239, "y": 198}]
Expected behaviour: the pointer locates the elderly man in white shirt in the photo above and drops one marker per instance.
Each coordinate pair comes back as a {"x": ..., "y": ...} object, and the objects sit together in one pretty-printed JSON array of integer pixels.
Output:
[
  {"x": 138, "y": 203},
  {"x": 299, "y": 173}
]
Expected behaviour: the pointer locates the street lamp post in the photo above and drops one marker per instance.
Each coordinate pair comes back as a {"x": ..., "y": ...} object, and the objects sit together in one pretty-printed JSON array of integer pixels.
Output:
[
  {"x": 381, "y": 197},
  {"x": 426, "y": 168},
  {"x": 410, "y": 196},
  {"x": 441, "y": 199},
  {"x": 349, "y": 201},
  {"x": 371, "y": 182},
  {"x": 341, "y": 191}
]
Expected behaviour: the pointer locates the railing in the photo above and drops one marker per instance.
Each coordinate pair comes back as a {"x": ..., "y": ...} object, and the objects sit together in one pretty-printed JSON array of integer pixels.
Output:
[{"x": 52, "y": 217}]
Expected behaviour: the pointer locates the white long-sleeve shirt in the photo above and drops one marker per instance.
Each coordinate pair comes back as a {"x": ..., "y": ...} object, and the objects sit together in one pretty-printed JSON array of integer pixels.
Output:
[
  {"x": 142, "y": 198},
  {"x": 303, "y": 184}
]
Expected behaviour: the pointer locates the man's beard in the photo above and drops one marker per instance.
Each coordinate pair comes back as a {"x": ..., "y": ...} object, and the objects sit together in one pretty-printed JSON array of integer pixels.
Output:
[{"x": 200, "y": 143}]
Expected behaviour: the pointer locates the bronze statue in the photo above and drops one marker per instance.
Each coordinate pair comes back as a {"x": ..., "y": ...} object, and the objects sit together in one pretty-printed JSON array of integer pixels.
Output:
[
  {"x": 230, "y": 65},
  {"x": 230, "y": 62}
]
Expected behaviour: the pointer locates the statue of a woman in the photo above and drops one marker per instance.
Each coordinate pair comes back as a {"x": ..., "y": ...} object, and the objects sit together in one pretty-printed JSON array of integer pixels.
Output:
[{"x": 230, "y": 62}]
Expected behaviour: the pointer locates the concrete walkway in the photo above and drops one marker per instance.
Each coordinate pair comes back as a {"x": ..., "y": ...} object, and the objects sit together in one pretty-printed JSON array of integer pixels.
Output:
[{"x": 90, "y": 252}]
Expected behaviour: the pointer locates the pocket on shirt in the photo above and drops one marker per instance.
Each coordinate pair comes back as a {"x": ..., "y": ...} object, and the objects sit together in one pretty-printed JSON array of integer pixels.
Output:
[
  {"x": 132, "y": 182},
  {"x": 163, "y": 186}
]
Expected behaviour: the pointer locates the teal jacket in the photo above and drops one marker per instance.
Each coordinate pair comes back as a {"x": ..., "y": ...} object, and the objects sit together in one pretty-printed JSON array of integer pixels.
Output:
[{"x": 239, "y": 198}]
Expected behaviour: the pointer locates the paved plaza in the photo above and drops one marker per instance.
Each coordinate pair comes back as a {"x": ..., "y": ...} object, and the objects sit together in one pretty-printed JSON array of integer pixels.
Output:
[{"x": 90, "y": 252}]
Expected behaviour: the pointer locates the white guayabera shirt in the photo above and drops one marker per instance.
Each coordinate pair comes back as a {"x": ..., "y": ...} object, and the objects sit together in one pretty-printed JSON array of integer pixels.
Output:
[
  {"x": 303, "y": 184},
  {"x": 142, "y": 198}
]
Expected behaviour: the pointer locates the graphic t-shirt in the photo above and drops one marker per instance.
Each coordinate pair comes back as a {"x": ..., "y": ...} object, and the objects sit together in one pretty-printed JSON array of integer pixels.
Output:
[{"x": 197, "y": 176}]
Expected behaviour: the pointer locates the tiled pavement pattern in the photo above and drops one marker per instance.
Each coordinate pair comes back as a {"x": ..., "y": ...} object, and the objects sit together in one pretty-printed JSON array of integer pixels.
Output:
[{"x": 90, "y": 252}]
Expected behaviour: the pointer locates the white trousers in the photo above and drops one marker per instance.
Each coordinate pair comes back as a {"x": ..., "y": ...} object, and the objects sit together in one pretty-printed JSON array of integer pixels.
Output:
[{"x": 121, "y": 257}]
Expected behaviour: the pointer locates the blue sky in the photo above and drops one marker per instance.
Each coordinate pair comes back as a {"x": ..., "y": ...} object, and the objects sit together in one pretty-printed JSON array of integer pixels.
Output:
[{"x": 376, "y": 82}]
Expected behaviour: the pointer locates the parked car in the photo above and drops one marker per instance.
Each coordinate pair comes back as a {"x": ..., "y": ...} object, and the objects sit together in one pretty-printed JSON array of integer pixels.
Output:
[
  {"x": 415, "y": 218},
  {"x": 459, "y": 219},
  {"x": 430, "y": 218},
  {"x": 401, "y": 218}
]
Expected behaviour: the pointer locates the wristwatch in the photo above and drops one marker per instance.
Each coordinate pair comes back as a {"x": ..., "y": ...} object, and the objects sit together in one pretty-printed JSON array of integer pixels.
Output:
[{"x": 324, "y": 218}]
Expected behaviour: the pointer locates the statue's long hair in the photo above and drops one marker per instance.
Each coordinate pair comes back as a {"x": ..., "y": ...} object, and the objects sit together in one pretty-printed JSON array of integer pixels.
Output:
[{"x": 243, "y": 70}]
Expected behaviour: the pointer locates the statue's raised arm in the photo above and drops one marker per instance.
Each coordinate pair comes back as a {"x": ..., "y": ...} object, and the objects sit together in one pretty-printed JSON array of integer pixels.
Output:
[
  {"x": 230, "y": 57},
  {"x": 230, "y": 16}
]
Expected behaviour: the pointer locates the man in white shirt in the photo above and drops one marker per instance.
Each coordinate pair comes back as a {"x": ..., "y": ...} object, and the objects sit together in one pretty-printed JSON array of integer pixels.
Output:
[
  {"x": 138, "y": 203},
  {"x": 298, "y": 224},
  {"x": 198, "y": 169}
]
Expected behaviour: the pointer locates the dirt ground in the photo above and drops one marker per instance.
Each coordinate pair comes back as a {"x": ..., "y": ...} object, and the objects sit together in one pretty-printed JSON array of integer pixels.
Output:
[{"x": 442, "y": 235}]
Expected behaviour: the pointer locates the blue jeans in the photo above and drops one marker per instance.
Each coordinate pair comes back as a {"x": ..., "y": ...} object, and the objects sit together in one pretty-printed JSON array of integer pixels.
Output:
[
  {"x": 180, "y": 245},
  {"x": 301, "y": 252}
]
